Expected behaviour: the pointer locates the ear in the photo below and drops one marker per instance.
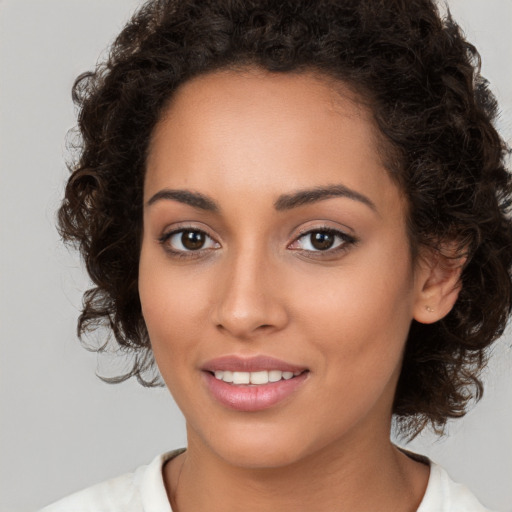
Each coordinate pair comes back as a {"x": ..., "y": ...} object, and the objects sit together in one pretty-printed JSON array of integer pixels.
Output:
[{"x": 437, "y": 283}]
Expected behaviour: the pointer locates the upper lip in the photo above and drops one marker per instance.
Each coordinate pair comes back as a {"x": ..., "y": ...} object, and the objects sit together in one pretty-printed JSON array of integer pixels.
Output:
[{"x": 250, "y": 364}]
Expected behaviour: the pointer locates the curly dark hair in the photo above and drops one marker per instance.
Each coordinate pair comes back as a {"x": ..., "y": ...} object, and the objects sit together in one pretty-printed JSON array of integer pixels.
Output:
[{"x": 422, "y": 81}]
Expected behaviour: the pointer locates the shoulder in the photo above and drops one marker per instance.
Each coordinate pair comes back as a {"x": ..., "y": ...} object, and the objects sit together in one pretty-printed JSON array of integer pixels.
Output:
[
  {"x": 113, "y": 495},
  {"x": 445, "y": 495},
  {"x": 141, "y": 490}
]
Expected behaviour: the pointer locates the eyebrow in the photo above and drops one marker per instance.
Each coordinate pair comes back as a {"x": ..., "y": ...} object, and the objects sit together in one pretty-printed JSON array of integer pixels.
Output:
[
  {"x": 313, "y": 195},
  {"x": 194, "y": 199},
  {"x": 283, "y": 202}
]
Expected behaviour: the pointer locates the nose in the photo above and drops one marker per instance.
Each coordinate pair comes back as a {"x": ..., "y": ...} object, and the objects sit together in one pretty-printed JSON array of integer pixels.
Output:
[{"x": 249, "y": 300}]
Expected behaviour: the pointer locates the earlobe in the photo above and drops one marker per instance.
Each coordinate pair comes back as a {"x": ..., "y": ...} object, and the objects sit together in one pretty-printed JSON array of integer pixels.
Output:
[{"x": 438, "y": 286}]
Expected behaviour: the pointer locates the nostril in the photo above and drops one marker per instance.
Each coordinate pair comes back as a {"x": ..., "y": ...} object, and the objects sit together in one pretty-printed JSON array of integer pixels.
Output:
[{"x": 241, "y": 332}]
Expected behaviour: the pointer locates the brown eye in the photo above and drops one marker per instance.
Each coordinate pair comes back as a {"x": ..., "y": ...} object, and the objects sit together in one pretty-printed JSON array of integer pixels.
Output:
[
  {"x": 193, "y": 240},
  {"x": 322, "y": 240},
  {"x": 329, "y": 241},
  {"x": 183, "y": 241}
]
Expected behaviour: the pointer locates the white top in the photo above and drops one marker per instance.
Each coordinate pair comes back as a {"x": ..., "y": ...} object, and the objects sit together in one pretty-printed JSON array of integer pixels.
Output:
[{"x": 144, "y": 491}]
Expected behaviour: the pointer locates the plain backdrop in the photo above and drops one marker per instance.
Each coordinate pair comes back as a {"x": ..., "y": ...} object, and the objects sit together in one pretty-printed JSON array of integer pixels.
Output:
[{"x": 61, "y": 428}]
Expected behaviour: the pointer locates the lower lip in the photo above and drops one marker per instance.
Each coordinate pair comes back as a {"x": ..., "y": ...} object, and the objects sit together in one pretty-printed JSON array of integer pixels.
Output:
[{"x": 251, "y": 398}]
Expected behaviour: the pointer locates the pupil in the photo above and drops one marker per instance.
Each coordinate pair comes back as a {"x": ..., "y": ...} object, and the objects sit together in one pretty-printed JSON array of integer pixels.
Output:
[
  {"x": 192, "y": 240},
  {"x": 322, "y": 240}
]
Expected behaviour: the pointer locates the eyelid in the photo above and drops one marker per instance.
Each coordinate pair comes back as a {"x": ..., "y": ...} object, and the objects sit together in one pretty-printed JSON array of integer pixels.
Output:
[
  {"x": 179, "y": 228},
  {"x": 347, "y": 240},
  {"x": 186, "y": 226}
]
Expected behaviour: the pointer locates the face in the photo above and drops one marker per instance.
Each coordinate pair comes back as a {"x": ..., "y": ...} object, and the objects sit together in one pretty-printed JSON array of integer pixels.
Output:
[{"x": 275, "y": 273}]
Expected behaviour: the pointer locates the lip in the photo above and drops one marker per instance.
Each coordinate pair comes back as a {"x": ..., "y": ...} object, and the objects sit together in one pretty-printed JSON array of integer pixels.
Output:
[
  {"x": 250, "y": 364},
  {"x": 248, "y": 397}
]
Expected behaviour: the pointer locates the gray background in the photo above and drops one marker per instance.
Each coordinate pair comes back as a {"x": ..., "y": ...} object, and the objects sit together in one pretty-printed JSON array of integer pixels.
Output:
[{"x": 61, "y": 428}]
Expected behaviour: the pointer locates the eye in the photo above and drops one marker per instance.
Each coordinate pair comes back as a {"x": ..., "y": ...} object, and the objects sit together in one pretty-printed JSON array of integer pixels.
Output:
[
  {"x": 322, "y": 240},
  {"x": 187, "y": 240}
]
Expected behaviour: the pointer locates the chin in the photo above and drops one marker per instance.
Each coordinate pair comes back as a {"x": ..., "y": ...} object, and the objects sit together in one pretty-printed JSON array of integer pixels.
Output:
[
  {"x": 260, "y": 455},
  {"x": 259, "y": 446}
]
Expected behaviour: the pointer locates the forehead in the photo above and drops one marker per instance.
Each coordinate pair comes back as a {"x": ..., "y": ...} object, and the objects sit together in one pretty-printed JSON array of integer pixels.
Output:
[{"x": 277, "y": 130}]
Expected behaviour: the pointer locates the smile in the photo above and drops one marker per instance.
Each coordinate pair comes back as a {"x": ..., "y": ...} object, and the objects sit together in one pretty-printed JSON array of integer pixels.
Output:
[
  {"x": 252, "y": 384},
  {"x": 255, "y": 378}
]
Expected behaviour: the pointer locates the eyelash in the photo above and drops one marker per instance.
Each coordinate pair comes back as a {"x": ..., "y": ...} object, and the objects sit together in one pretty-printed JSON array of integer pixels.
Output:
[
  {"x": 346, "y": 242},
  {"x": 179, "y": 254}
]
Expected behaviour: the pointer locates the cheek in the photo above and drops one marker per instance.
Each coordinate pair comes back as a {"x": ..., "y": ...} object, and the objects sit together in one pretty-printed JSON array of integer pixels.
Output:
[
  {"x": 170, "y": 305},
  {"x": 361, "y": 337},
  {"x": 361, "y": 313},
  {"x": 172, "y": 326}
]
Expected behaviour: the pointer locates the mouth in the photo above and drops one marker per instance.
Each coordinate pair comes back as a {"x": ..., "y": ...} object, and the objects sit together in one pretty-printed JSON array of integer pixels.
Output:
[
  {"x": 252, "y": 384},
  {"x": 258, "y": 378}
]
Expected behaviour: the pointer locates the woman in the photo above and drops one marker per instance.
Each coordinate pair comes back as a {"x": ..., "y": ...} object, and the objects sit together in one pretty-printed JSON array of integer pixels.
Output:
[{"x": 299, "y": 211}]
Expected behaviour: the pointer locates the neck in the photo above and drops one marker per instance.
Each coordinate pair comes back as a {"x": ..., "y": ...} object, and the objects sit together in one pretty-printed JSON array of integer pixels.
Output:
[{"x": 365, "y": 475}]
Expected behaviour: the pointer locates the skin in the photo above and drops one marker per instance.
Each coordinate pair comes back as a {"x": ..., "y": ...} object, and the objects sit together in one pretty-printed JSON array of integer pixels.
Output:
[{"x": 258, "y": 286}]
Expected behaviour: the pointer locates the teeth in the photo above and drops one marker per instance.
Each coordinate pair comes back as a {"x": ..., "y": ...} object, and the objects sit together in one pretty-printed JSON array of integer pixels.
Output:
[
  {"x": 226, "y": 376},
  {"x": 274, "y": 375},
  {"x": 261, "y": 377},
  {"x": 241, "y": 377}
]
